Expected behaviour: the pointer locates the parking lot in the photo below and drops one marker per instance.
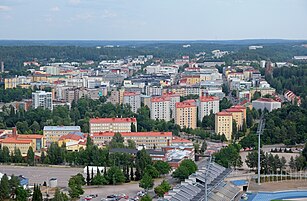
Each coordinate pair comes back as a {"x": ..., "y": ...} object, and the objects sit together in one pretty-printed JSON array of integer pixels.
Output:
[{"x": 37, "y": 175}]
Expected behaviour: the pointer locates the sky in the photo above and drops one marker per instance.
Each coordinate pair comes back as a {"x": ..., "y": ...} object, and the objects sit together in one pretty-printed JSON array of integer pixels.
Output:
[{"x": 152, "y": 19}]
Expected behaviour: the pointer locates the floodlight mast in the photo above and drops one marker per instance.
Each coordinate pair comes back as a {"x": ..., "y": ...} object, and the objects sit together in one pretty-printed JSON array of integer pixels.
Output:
[{"x": 259, "y": 133}]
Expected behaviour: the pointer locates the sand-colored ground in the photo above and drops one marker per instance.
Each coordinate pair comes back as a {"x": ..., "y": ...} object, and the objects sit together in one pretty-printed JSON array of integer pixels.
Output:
[{"x": 278, "y": 186}]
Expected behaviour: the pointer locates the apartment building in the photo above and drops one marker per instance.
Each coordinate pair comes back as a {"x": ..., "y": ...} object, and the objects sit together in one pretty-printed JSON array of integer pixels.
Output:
[
  {"x": 223, "y": 124},
  {"x": 185, "y": 115},
  {"x": 42, "y": 99},
  {"x": 53, "y": 133},
  {"x": 237, "y": 115},
  {"x": 267, "y": 103},
  {"x": 160, "y": 108},
  {"x": 112, "y": 124},
  {"x": 133, "y": 99},
  {"x": 151, "y": 140},
  {"x": 174, "y": 98},
  {"x": 206, "y": 104},
  {"x": 22, "y": 142}
]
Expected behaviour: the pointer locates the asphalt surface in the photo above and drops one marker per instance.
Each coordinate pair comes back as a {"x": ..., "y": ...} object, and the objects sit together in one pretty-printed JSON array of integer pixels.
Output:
[{"x": 37, "y": 175}]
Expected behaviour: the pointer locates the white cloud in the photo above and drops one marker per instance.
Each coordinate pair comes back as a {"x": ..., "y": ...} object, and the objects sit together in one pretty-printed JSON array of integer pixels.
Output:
[
  {"x": 108, "y": 14},
  {"x": 74, "y": 2},
  {"x": 55, "y": 9},
  {"x": 4, "y": 8}
]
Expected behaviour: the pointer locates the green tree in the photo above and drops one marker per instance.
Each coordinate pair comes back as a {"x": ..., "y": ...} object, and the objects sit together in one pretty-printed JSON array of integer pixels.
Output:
[
  {"x": 4, "y": 188},
  {"x": 75, "y": 184},
  {"x": 117, "y": 141},
  {"x": 21, "y": 194},
  {"x": 163, "y": 167},
  {"x": 59, "y": 196},
  {"x": 17, "y": 155},
  {"x": 152, "y": 171},
  {"x": 162, "y": 188},
  {"x": 196, "y": 147},
  {"x": 6, "y": 154},
  {"x": 229, "y": 156},
  {"x": 115, "y": 176},
  {"x": 146, "y": 182},
  {"x": 146, "y": 198},
  {"x": 181, "y": 173},
  {"x": 142, "y": 160},
  {"x": 203, "y": 147},
  {"x": 99, "y": 179},
  {"x": 131, "y": 144},
  {"x": 37, "y": 194},
  {"x": 30, "y": 156}
]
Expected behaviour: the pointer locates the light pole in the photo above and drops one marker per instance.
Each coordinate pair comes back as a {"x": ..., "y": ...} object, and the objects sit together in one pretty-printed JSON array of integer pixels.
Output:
[{"x": 259, "y": 132}]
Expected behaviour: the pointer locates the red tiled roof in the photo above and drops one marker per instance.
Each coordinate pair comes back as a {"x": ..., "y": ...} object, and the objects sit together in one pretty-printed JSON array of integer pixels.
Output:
[
  {"x": 31, "y": 136},
  {"x": 170, "y": 94},
  {"x": 180, "y": 140},
  {"x": 233, "y": 110},
  {"x": 112, "y": 120},
  {"x": 135, "y": 134},
  {"x": 71, "y": 137},
  {"x": 159, "y": 99},
  {"x": 238, "y": 107},
  {"x": 186, "y": 104},
  {"x": 223, "y": 113},
  {"x": 208, "y": 98},
  {"x": 11, "y": 140}
]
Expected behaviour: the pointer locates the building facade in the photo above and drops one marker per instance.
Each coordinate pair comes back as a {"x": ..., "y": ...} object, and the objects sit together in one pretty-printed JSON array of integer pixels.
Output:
[
  {"x": 223, "y": 124},
  {"x": 150, "y": 140},
  {"x": 206, "y": 104},
  {"x": 42, "y": 99},
  {"x": 185, "y": 114},
  {"x": 112, "y": 124},
  {"x": 160, "y": 108},
  {"x": 267, "y": 103},
  {"x": 54, "y": 133},
  {"x": 133, "y": 99}
]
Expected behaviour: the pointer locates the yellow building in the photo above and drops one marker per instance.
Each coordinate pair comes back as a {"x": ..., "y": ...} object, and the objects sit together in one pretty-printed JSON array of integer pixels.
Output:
[
  {"x": 191, "y": 80},
  {"x": 10, "y": 83},
  {"x": 223, "y": 124},
  {"x": 237, "y": 115},
  {"x": 263, "y": 91},
  {"x": 186, "y": 114},
  {"x": 54, "y": 133},
  {"x": 12, "y": 144},
  {"x": 73, "y": 142}
]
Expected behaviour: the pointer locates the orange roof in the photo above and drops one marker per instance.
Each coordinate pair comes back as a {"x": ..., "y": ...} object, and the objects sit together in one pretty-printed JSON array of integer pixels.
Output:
[
  {"x": 159, "y": 99},
  {"x": 170, "y": 94},
  {"x": 186, "y": 104},
  {"x": 135, "y": 134},
  {"x": 208, "y": 98},
  {"x": 223, "y": 113},
  {"x": 112, "y": 120},
  {"x": 238, "y": 107},
  {"x": 71, "y": 137},
  {"x": 233, "y": 110},
  {"x": 180, "y": 140},
  {"x": 11, "y": 140},
  {"x": 31, "y": 136}
]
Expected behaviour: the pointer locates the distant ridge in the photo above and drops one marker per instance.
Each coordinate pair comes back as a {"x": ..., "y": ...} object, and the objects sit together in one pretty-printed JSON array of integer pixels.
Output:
[{"x": 93, "y": 43}]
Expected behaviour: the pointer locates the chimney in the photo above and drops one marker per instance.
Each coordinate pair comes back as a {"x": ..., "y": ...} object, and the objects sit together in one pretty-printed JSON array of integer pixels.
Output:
[{"x": 14, "y": 132}]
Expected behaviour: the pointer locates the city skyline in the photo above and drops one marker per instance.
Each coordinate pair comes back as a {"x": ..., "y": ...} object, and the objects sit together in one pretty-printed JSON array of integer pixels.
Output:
[{"x": 152, "y": 20}]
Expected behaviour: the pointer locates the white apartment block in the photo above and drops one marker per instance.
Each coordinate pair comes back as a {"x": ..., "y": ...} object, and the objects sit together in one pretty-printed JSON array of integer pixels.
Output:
[
  {"x": 42, "y": 99},
  {"x": 98, "y": 125},
  {"x": 160, "y": 108},
  {"x": 267, "y": 103},
  {"x": 133, "y": 99},
  {"x": 206, "y": 104},
  {"x": 174, "y": 98}
]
